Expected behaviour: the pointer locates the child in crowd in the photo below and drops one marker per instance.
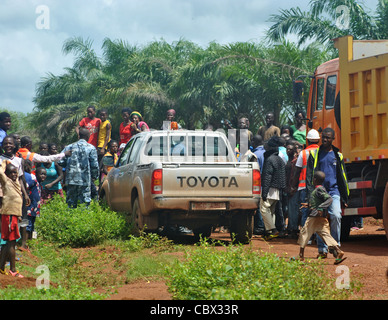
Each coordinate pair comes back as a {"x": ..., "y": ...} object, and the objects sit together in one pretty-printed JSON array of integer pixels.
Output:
[
  {"x": 34, "y": 185},
  {"x": 52, "y": 184},
  {"x": 16, "y": 137},
  {"x": 5, "y": 125},
  {"x": 109, "y": 160},
  {"x": 11, "y": 213},
  {"x": 52, "y": 148},
  {"x": 43, "y": 148},
  {"x": 104, "y": 133},
  {"x": 317, "y": 221}
]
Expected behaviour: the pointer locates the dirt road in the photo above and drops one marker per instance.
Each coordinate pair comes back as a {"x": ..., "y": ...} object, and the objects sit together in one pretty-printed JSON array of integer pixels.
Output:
[{"x": 367, "y": 260}]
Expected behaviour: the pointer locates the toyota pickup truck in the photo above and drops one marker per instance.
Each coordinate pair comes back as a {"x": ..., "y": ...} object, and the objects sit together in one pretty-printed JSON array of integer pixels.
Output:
[{"x": 186, "y": 178}]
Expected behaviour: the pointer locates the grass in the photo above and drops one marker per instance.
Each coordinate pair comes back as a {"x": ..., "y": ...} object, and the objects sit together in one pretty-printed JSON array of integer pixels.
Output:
[
  {"x": 83, "y": 265},
  {"x": 239, "y": 273}
]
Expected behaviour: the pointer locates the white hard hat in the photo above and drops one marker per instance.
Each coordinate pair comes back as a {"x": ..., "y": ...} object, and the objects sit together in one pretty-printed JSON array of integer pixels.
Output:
[{"x": 313, "y": 135}]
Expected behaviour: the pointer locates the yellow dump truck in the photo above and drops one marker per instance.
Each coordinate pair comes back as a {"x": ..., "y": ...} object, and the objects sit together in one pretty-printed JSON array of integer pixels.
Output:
[{"x": 350, "y": 95}]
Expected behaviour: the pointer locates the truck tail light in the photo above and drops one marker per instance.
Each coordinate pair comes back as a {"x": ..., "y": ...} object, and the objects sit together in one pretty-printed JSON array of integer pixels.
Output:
[
  {"x": 256, "y": 181},
  {"x": 157, "y": 181}
]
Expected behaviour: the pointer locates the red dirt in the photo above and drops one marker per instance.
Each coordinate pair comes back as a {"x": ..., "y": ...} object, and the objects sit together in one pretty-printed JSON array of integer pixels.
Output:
[{"x": 366, "y": 252}]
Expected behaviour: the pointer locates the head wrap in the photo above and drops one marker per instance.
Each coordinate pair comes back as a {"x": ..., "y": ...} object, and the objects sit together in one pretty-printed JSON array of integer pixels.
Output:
[
  {"x": 171, "y": 111},
  {"x": 136, "y": 113}
]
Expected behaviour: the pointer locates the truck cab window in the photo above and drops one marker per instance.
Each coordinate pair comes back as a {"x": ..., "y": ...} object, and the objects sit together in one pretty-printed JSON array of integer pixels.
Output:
[
  {"x": 320, "y": 90},
  {"x": 156, "y": 146},
  {"x": 331, "y": 85},
  {"x": 135, "y": 150},
  {"x": 123, "y": 160}
]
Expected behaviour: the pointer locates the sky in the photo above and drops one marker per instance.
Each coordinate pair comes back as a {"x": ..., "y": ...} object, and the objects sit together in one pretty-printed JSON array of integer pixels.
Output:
[{"x": 32, "y": 32}]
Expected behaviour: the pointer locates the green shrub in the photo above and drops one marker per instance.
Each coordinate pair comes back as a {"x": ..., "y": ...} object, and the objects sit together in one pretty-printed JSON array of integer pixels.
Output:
[
  {"x": 81, "y": 226},
  {"x": 239, "y": 273},
  {"x": 76, "y": 292}
]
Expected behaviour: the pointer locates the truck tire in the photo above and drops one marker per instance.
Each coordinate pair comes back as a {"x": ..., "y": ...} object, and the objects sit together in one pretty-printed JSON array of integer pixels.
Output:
[
  {"x": 241, "y": 229},
  {"x": 136, "y": 219}
]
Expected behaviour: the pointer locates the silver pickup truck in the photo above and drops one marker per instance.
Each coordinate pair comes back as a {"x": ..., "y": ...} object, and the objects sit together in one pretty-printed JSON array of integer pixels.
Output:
[{"x": 185, "y": 178}]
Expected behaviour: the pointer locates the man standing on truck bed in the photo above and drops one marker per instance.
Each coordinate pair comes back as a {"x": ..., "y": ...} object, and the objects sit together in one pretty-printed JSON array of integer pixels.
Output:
[{"x": 328, "y": 159}]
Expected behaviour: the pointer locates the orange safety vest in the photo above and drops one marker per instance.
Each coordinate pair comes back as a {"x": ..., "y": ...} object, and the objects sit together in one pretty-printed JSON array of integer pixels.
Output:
[
  {"x": 27, "y": 154},
  {"x": 303, "y": 172}
]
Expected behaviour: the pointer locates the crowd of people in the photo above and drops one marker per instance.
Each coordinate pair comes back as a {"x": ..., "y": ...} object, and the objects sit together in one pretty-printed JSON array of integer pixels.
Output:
[
  {"x": 29, "y": 179},
  {"x": 303, "y": 183}
]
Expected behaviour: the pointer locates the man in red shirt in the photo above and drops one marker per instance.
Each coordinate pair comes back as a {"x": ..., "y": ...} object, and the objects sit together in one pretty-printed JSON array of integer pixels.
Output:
[{"x": 92, "y": 124}]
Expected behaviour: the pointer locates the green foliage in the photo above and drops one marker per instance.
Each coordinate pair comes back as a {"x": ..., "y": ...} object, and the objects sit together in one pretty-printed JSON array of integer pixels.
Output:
[
  {"x": 79, "y": 227},
  {"x": 76, "y": 292},
  {"x": 238, "y": 273},
  {"x": 148, "y": 241},
  {"x": 18, "y": 122},
  {"x": 204, "y": 85},
  {"x": 320, "y": 22}
]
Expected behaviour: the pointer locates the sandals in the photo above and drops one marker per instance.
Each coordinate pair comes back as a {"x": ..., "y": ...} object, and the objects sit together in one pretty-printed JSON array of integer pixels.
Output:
[
  {"x": 271, "y": 236},
  {"x": 340, "y": 258},
  {"x": 16, "y": 274},
  {"x": 3, "y": 272}
]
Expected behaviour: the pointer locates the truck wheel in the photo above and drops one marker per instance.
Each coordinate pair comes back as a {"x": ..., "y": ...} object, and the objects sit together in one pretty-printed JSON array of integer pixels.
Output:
[
  {"x": 241, "y": 229},
  {"x": 136, "y": 219},
  {"x": 385, "y": 210},
  {"x": 202, "y": 232}
]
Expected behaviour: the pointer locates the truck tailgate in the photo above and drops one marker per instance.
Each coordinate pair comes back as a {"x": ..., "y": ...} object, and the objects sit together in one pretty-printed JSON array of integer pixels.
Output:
[{"x": 207, "y": 180}]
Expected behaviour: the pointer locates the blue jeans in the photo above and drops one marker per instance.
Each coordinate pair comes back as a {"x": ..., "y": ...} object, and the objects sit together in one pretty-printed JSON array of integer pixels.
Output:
[{"x": 335, "y": 223}]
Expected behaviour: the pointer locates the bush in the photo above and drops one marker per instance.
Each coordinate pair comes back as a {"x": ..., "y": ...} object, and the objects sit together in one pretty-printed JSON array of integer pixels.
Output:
[
  {"x": 79, "y": 227},
  {"x": 238, "y": 273}
]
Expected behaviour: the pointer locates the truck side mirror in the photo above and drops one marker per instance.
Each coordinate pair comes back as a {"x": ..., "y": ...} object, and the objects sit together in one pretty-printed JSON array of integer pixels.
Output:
[{"x": 297, "y": 91}]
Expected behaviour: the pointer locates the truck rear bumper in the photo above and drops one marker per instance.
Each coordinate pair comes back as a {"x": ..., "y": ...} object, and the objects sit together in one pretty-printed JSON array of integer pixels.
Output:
[{"x": 205, "y": 204}]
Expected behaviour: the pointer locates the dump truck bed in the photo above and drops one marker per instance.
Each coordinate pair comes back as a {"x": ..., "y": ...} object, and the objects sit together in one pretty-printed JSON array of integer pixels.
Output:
[{"x": 364, "y": 104}]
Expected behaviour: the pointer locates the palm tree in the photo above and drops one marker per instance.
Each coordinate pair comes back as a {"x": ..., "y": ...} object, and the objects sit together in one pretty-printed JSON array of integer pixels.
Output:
[
  {"x": 320, "y": 22},
  {"x": 204, "y": 85},
  {"x": 61, "y": 101}
]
